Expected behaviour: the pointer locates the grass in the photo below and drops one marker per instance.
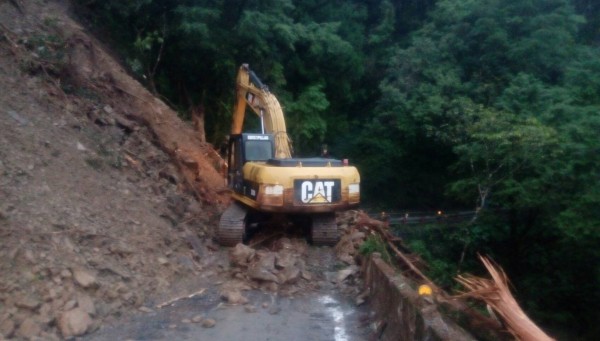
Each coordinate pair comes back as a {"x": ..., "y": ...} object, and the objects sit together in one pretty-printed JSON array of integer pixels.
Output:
[{"x": 375, "y": 244}]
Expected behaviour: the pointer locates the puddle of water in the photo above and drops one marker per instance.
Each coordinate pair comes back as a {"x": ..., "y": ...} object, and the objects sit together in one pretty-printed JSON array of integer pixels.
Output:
[{"x": 337, "y": 314}]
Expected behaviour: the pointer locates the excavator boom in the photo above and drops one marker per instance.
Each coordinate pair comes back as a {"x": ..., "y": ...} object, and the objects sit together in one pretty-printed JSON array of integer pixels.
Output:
[{"x": 250, "y": 91}]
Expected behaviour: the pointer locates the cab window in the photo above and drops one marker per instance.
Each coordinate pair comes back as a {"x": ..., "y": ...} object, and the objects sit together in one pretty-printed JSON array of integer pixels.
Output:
[{"x": 258, "y": 150}]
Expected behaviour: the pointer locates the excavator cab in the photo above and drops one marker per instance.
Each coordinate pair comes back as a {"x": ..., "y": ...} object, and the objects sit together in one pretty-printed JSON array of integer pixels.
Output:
[{"x": 243, "y": 148}]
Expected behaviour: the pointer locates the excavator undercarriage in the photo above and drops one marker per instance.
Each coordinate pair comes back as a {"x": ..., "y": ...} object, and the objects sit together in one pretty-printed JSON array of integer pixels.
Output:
[{"x": 236, "y": 225}]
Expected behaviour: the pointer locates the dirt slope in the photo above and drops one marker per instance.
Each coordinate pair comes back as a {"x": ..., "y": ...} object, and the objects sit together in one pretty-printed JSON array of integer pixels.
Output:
[{"x": 106, "y": 197}]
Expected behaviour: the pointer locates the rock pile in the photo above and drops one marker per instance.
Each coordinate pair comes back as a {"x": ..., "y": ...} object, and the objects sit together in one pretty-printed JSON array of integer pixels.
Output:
[
  {"x": 95, "y": 218},
  {"x": 284, "y": 266},
  {"x": 281, "y": 268}
]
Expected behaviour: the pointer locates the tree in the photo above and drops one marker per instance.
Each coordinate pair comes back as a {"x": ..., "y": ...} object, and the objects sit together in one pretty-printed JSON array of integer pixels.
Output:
[
  {"x": 484, "y": 81},
  {"x": 495, "y": 150}
]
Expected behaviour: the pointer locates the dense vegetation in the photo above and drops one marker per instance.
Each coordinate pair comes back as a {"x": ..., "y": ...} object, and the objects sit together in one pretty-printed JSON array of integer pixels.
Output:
[{"x": 484, "y": 104}]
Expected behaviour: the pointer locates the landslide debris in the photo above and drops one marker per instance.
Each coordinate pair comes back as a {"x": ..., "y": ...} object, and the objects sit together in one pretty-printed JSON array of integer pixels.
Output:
[
  {"x": 287, "y": 266},
  {"x": 106, "y": 196},
  {"x": 108, "y": 199}
]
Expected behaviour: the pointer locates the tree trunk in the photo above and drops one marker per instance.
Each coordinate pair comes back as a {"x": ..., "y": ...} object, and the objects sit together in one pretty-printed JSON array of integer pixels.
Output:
[{"x": 197, "y": 112}]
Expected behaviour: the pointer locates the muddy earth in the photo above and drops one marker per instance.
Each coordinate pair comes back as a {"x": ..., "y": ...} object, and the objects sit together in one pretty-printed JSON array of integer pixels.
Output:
[{"x": 108, "y": 204}]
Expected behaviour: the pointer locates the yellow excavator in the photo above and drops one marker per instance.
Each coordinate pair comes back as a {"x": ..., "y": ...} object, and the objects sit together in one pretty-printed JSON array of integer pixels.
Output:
[{"x": 268, "y": 183}]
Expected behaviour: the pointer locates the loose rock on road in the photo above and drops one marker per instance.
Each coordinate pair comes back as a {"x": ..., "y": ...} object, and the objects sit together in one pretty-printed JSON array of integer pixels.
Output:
[{"x": 327, "y": 311}]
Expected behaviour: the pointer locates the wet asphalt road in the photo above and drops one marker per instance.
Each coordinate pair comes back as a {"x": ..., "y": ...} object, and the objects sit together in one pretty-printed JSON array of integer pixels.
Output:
[{"x": 324, "y": 315}]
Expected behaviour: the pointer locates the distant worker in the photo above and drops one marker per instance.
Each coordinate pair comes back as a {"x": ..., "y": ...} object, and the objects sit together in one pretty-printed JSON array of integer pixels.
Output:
[{"x": 325, "y": 151}]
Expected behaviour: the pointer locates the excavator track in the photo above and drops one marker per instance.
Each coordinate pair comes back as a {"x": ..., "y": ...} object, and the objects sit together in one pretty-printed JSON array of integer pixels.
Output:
[
  {"x": 232, "y": 225},
  {"x": 324, "y": 229}
]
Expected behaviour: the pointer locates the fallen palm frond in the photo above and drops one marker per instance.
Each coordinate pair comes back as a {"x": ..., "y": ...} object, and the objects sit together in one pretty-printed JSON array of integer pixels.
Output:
[
  {"x": 496, "y": 294},
  {"x": 481, "y": 325}
]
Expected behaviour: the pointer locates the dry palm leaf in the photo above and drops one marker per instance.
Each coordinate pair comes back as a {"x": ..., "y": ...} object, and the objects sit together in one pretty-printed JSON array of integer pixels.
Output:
[{"x": 496, "y": 294}]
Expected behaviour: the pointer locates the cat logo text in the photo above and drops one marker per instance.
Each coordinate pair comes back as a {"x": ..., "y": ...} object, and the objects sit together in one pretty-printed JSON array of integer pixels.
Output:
[{"x": 317, "y": 191}]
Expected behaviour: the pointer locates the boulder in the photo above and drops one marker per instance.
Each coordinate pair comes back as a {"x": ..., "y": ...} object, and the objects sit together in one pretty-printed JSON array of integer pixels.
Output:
[
  {"x": 263, "y": 269},
  {"x": 241, "y": 255},
  {"x": 208, "y": 323},
  {"x": 233, "y": 297},
  {"x": 74, "y": 322},
  {"x": 289, "y": 275},
  {"x": 285, "y": 259},
  {"x": 29, "y": 303},
  {"x": 28, "y": 329},
  {"x": 86, "y": 303},
  {"x": 84, "y": 278},
  {"x": 345, "y": 273},
  {"x": 7, "y": 328}
]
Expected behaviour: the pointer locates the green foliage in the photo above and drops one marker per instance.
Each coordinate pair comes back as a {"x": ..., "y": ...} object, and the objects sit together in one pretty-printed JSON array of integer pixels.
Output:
[
  {"x": 486, "y": 82},
  {"x": 590, "y": 31},
  {"x": 440, "y": 269},
  {"x": 47, "y": 57},
  {"x": 382, "y": 33},
  {"x": 446, "y": 247},
  {"x": 212, "y": 38},
  {"x": 375, "y": 244},
  {"x": 497, "y": 148},
  {"x": 305, "y": 113}
]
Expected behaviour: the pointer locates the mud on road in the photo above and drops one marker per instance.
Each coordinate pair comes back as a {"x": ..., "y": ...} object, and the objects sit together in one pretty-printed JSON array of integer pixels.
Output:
[{"x": 323, "y": 307}]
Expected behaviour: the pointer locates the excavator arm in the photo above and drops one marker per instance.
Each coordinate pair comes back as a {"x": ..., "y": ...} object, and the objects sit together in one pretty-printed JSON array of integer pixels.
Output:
[{"x": 250, "y": 91}]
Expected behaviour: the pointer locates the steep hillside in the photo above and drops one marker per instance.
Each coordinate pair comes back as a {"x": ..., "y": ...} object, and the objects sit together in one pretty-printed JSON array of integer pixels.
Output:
[{"x": 106, "y": 196}]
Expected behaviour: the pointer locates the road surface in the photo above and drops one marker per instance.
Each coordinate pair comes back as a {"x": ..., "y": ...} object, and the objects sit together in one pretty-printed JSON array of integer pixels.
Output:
[{"x": 322, "y": 314}]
